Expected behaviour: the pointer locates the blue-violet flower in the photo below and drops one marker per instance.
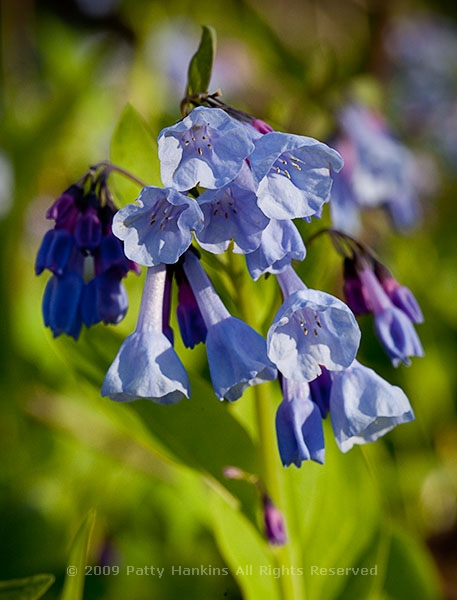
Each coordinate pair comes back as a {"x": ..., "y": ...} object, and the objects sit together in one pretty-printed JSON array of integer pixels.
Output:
[
  {"x": 299, "y": 425},
  {"x": 237, "y": 355},
  {"x": 147, "y": 365},
  {"x": 207, "y": 148},
  {"x": 158, "y": 228},
  {"x": 311, "y": 328},
  {"x": 293, "y": 174}
]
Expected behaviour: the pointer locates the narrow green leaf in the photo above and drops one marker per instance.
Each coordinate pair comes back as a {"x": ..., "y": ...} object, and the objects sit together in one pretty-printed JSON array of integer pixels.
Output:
[
  {"x": 134, "y": 149},
  {"x": 336, "y": 502},
  {"x": 201, "y": 431},
  {"x": 201, "y": 64},
  {"x": 410, "y": 571},
  {"x": 246, "y": 552},
  {"x": 76, "y": 569},
  {"x": 26, "y": 588}
]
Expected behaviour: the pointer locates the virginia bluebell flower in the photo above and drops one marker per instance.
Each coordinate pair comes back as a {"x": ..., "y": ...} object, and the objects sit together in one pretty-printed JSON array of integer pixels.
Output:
[
  {"x": 299, "y": 425},
  {"x": 237, "y": 355},
  {"x": 231, "y": 213},
  {"x": 86, "y": 259},
  {"x": 381, "y": 171},
  {"x": 310, "y": 329},
  {"x": 293, "y": 174},
  {"x": 393, "y": 324},
  {"x": 280, "y": 243},
  {"x": 364, "y": 407},
  {"x": 147, "y": 365},
  {"x": 158, "y": 228},
  {"x": 207, "y": 148}
]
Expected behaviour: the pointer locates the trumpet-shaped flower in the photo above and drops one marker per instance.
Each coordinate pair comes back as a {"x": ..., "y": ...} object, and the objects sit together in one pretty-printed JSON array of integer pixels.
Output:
[
  {"x": 237, "y": 354},
  {"x": 207, "y": 148},
  {"x": 158, "y": 228},
  {"x": 310, "y": 329},
  {"x": 147, "y": 365},
  {"x": 231, "y": 213},
  {"x": 280, "y": 243},
  {"x": 364, "y": 407},
  {"x": 293, "y": 174},
  {"x": 299, "y": 425}
]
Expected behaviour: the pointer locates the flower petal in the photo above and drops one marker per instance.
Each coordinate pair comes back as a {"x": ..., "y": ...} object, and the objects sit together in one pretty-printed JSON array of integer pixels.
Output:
[
  {"x": 146, "y": 366},
  {"x": 363, "y": 406}
]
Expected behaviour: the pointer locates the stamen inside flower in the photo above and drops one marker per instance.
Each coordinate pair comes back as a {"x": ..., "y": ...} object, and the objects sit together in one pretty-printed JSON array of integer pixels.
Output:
[
  {"x": 304, "y": 317},
  {"x": 198, "y": 139},
  {"x": 283, "y": 161},
  {"x": 164, "y": 213}
]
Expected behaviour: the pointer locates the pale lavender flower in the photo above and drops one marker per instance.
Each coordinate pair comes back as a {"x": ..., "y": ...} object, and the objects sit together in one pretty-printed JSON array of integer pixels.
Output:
[
  {"x": 147, "y": 365},
  {"x": 207, "y": 148},
  {"x": 293, "y": 174},
  {"x": 311, "y": 328},
  {"x": 158, "y": 227}
]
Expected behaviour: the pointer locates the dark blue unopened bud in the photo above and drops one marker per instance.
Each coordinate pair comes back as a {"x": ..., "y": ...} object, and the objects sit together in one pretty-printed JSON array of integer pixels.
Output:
[
  {"x": 55, "y": 251},
  {"x": 61, "y": 304}
]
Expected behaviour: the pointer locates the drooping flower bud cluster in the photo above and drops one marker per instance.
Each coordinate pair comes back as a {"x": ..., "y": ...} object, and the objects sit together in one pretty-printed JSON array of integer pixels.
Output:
[{"x": 85, "y": 258}]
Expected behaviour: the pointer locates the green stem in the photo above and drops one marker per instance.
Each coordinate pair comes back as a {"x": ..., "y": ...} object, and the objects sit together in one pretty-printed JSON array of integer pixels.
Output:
[{"x": 272, "y": 472}]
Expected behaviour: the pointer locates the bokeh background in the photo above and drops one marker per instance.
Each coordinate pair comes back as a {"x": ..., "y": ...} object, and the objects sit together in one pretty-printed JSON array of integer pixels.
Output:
[{"x": 68, "y": 69}]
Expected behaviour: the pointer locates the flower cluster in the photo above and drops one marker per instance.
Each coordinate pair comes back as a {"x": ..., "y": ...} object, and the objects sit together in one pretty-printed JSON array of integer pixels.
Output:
[
  {"x": 230, "y": 181},
  {"x": 85, "y": 258},
  {"x": 379, "y": 171},
  {"x": 369, "y": 287},
  {"x": 229, "y": 184},
  {"x": 236, "y": 182}
]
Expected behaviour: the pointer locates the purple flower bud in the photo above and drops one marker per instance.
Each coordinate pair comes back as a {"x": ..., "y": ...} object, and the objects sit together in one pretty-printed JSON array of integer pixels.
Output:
[
  {"x": 400, "y": 295},
  {"x": 65, "y": 209},
  {"x": 104, "y": 299},
  {"x": 261, "y": 126},
  {"x": 353, "y": 289},
  {"x": 88, "y": 230},
  {"x": 274, "y": 522}
]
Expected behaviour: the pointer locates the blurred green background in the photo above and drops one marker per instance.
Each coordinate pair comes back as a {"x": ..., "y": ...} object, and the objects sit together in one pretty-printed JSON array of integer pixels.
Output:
[{"x": 152, "y": 473}]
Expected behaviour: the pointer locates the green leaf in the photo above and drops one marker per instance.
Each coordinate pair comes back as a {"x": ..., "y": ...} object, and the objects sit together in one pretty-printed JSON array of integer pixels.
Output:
[
  {"x": 76, "y": 570},
  {"x": 27, "y": 588},
  {"x": 245, "y": 551},
  {"x": 201, "y": 432},
  {"x": 200, "y": 67},
  {"x": 134, "y": 149},
  {"x": 410, "y": 571},
  {"x": 335, "y": 514}
]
